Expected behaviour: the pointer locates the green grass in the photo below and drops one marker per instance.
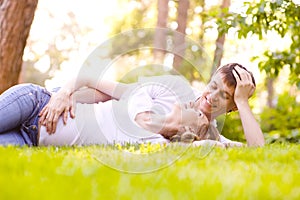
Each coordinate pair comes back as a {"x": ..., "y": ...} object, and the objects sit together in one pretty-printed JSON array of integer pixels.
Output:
[{"x": 272, "y": 172}]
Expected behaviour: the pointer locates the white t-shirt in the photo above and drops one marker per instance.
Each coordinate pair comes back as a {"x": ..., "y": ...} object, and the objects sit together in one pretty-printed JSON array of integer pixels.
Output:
[{"x": 113, "y": 121}]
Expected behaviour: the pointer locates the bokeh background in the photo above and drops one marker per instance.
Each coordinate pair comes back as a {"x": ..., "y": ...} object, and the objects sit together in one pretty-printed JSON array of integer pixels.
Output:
[{"x": 262, "y": 35}]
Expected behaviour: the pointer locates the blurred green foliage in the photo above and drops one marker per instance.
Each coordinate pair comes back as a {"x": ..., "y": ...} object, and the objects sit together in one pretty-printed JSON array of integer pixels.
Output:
[
  {"x": 54, "y": 52},
  {"x": 197, "y": 59},
  {"x": 255, "y": 18},
  {"x": 230, "y": 126},
  {"x": 144, "y": 71},
  {"x": 259, "y": 18},
  {"x": 281, "y": 123}
]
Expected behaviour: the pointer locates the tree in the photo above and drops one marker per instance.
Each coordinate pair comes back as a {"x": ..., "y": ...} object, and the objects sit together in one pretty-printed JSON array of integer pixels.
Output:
[
  {"x": 60, "y": 47},
  {"x": 15, "y": 21},
  {"x": 179, "y": 39},
  {"x": 280, "y": 16},
  {"x": 135, "y": 18},
  {"x": 221, "y": 39},
  {"x": 192, "y": 55},
  {"x": 160, "y": 36}
]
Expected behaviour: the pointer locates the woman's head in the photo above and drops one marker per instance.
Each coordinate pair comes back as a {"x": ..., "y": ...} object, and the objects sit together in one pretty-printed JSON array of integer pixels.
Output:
[{"x": 218, "y": 97}]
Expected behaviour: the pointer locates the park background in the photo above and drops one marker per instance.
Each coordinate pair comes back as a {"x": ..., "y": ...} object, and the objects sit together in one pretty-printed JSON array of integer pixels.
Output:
[
  {"x": 261, "y": 35},
  {"x": 45, "y": 42}
]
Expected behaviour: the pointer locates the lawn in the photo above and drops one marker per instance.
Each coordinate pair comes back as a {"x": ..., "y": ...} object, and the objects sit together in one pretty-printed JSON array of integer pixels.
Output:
[{"x": 176, "y": 172}]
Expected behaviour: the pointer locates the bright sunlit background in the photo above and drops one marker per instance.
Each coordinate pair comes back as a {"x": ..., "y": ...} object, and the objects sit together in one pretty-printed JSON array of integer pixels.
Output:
[
  {"x": 49, "y": 20},
  {"x": 80, "y": 26}
]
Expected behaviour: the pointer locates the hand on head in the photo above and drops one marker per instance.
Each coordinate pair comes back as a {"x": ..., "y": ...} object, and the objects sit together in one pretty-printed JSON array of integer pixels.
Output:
[{"x": 244, "y": 87}]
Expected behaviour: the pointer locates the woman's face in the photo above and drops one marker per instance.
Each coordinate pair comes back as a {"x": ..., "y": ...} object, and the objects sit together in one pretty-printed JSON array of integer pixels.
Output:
[{"x": 217, "y": 98}]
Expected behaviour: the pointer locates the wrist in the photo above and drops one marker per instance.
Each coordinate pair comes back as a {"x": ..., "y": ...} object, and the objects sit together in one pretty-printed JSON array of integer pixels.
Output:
[
  {"x": 65, "y": 92},
  {"x": 74, "y": 97},
  {"x": 241, "y": 103}
]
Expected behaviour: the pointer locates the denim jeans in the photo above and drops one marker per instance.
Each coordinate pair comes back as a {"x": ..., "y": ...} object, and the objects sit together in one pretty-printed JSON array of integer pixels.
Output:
[{"x": 19, "y": 109}]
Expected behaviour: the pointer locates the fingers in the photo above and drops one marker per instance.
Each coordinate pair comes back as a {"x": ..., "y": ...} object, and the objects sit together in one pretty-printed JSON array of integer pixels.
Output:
[
  {"x": 236, "y": 76},
  {"x": 43, "y": 111},
  {"x": 245, "y": 86},
  {"x": 43, "y": 115},
  {"x": 51, "y": 122},
  {"x": 54, "y": 123},
  {"x": 72, "y": 112},
  {"x": 48, "y": 122},
  {"x": 49, "y": 119},
  {"x": 73, "y": 109},
  {"x": 65, "y": 115},
  {"x": 252, "y": 91},
  {"x": 59, "y": 105},
  {"x": 244, "y": 79},
  {"x": 242, "y": 74}
]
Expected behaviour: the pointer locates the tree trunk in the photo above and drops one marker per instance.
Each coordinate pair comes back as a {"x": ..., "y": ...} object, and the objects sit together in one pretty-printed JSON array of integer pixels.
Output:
[
  {"x": 202, "y": 28},
  {"x": 179, "y": 38},
  {"x": 270, "y": 89},
  {"x": 160, "y": 37},
  {"x": 220, "y": 41},
  {"x": 16, "y": 17}
]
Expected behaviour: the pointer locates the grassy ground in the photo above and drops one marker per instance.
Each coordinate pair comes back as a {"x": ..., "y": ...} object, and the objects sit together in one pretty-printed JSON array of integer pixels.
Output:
[{"x": 272, "y": 172}]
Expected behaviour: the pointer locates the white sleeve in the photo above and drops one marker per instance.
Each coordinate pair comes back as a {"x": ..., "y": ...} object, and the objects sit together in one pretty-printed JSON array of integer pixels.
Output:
[
  {"x": 158, "y": 94},
  {"x": 139, "y": 101},
  {"x": 224, "y": 139}
]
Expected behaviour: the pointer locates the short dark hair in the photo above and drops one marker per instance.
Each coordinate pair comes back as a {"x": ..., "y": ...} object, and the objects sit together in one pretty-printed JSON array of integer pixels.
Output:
[{"x": 229, "y": 78}]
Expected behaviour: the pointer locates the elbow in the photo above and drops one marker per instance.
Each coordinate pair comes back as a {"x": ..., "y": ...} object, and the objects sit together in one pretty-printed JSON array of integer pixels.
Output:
[{"x": 86, "y": 79}]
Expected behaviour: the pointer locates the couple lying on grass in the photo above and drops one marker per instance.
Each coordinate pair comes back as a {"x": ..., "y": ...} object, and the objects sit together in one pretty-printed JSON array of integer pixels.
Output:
[{"x": 157, "y": 109}]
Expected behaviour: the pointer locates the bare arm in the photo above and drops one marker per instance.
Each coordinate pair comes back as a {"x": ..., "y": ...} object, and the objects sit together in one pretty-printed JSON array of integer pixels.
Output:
[
  {"x": 89, "y": 95},
  {"x": 111, "y": 88},
  {"x": 61, "y": 102},
  {"x": 244, "y": 89},
  {"x": 86, "y": 95},
  {"x": 252, "y": 131}
]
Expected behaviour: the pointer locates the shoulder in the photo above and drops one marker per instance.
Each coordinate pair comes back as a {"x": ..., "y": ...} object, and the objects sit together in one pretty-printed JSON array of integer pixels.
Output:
[
  {"x": 169, "y": 85},
  {"x": 167, "y": 81}
]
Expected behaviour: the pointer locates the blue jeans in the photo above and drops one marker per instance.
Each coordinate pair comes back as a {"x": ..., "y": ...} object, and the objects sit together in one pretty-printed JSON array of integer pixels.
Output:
[{"x": 19, "y": 109}]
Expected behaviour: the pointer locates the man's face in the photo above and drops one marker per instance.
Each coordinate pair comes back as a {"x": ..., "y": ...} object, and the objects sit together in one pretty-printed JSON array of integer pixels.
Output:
[{"x": 217, "y": 98}]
